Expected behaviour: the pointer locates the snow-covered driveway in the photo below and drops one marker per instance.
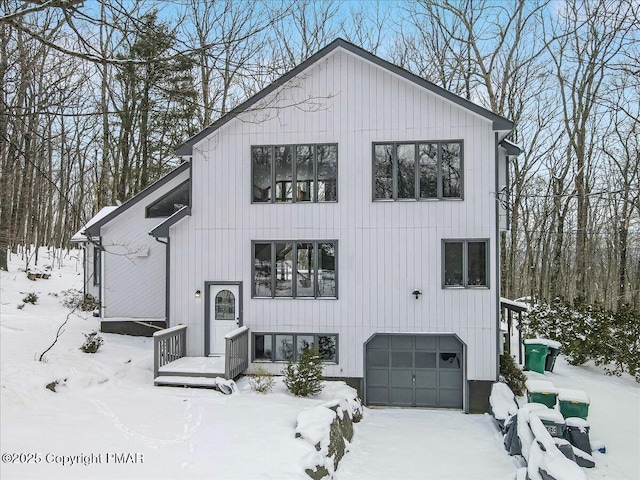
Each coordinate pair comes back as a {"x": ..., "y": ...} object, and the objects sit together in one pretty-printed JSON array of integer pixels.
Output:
[{"x": 426, "y": 444}]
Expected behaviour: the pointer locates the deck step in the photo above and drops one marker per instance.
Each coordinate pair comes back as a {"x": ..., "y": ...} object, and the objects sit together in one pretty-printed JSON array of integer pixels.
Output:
[{"x": 178, "y": 381}]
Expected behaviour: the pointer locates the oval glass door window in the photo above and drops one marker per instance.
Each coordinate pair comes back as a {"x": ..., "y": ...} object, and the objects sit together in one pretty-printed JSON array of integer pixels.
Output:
[{"x": 225, "y": 305}]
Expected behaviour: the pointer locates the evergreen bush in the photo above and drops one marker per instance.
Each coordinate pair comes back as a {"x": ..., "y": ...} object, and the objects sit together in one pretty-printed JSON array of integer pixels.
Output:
[
  {"x": 590, "y": 332},
  {"x": 512, "y": 375},
  {"x": 305, "y": 377}
]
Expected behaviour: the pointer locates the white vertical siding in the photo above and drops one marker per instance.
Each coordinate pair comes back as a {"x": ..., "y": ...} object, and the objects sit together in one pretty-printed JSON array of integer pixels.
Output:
[
  {"x": 134, "y": 262},
  {"x": 386, "y": 249}
]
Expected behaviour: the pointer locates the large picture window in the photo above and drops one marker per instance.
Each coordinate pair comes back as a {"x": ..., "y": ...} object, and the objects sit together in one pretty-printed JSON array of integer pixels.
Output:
[
  {"x": 417, "y": 170},
  {"x": 465, "y": 263},
  {"x": 282, "y": 347},
  {"x": 290, "y": 268},
  {"x": 294, "y": 173}
]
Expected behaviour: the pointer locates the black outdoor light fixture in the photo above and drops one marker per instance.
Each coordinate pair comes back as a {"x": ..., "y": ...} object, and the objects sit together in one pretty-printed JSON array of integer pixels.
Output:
[
  {"x": 417, "y": 293},
  {"x": 197, "y": 294}
]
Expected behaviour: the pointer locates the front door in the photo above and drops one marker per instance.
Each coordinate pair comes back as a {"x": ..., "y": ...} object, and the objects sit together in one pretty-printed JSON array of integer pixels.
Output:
[{"x": 224, "y": 315}]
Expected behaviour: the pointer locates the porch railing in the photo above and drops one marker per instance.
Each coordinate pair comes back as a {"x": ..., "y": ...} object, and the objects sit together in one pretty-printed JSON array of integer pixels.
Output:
[
  {"x": 237, "y": 352},
  {"x": 168, "y": 345}
]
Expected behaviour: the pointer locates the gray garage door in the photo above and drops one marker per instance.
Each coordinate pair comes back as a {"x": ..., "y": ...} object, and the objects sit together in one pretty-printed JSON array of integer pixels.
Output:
[{"x": 414, "y": 371}]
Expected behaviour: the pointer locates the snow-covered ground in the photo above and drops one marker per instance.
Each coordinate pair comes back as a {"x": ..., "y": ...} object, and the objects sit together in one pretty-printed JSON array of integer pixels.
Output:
[{"x": 110, "y": 421}]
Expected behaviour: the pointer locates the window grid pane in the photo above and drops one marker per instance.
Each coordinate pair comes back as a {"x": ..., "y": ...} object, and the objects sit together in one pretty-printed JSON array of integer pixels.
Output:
[
  {"x": 284, "y": 174},
  {"x": 451, "y": 172},
  {"x": 305, "y": 270},
  {"x": 304, "y": 173},
  {"x": 326, "y": 270},
  {"x": 261, "y": 159},
  {"x": 477, "y": 263},
  {"x": 284, "y": 348},
  {"x": 327, "y": 158},
  {"x": 406, "y": 155},
  {"x": 383, "y": 166},
  {"x": 262, "y": 270},
  {"x": 453, "y": 264},
  {"x": 428, "y": 170},
  {"x": 284, "y": 270}
]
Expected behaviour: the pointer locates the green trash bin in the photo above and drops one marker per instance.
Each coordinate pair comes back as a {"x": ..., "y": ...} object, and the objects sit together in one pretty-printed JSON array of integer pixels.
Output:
[
  {"x": 541, "y": 391},
  {"x": 573, "y": 403},
  {"x": 535, "y": 355}
]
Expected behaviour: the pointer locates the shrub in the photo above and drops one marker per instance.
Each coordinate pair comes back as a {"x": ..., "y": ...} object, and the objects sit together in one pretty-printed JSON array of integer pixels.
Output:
[
  {"x": 590, "y": 332},
  {"x": 76, "y": 299},
  {"x": 31, "y": 298},
  {"x": 92, "y": 342},
  {"x": 305, "y": 377},
  {"x": 512, "y": 374},
  {"x": 262, "y": 381},
  {"x": 20, "y": 306}
]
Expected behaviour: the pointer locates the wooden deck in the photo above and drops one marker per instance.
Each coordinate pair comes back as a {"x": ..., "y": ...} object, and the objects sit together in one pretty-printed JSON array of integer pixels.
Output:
[{"x": 195, "y": 367}]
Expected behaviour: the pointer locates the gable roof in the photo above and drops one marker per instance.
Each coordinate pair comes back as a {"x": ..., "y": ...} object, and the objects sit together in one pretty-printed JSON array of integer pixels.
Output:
[
  {"x": 499, "y": 122},
  {"x": 94, "y": 229},
  {"x": 79, "y": 236}
]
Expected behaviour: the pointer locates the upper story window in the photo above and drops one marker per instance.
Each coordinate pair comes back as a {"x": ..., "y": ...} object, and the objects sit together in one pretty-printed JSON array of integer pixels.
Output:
[
  {"x": 295, "y": 269},
  {"x": 465, "y": 263},
  {"x": 170, "y": 203},
  {"x": 417, "y": 170},
  {"x": 294, "y": 173}
]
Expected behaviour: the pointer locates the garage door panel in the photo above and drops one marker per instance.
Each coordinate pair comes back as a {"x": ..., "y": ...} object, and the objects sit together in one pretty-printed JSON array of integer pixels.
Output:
[
  {"x": 378, "y": 378},
  {"x": 425, "y": 359},
  {"x": 449, "y": 398},
  {"x": 450, "y": 379},
  {"x": 401, "y": 342},
  {"x": 401, "y": 397},
  {"x": 426, "y": 343},
  {"x": 378, "y": 396},
  {"x": 401, "y": 378},
  {"x": 402, "y": 359},
  {"x": 426, "y": 397},
  {"x": 378, "y": 358},
  {"x": 426, "y": 378}
]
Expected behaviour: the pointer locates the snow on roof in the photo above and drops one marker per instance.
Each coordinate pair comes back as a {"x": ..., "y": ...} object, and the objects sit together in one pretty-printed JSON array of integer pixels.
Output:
[
  {"x": 79, "y": 236},
  {"x": 514, "y": 303},
  {"x": 570, "y": 395}
]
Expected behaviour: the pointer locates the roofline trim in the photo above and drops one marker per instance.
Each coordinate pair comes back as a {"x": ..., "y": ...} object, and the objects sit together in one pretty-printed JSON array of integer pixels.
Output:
[{"x": 162, "y": 229}]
